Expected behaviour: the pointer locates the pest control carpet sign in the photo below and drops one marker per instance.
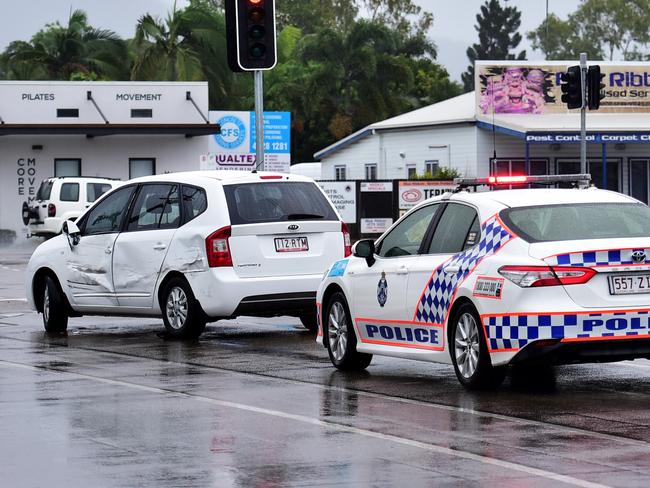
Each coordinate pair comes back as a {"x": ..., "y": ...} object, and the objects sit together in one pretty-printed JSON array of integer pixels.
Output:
[{"x": 234, "y": 148}]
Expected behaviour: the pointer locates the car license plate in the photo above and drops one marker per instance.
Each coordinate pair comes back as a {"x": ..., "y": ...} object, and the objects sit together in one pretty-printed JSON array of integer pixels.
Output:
[
  {"x": 291, "y": 244},
  {"x": 630, "y": 284}
]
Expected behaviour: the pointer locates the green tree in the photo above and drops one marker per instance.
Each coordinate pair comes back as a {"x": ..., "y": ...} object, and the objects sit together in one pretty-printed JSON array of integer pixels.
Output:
[
  {"x": 498, "y": 35},
  {"x": 58, "y": 52},
  {"x": 560, "y": 39},
  {"x": 312, "y": 15},
  {"x": 601, "y": 28}
]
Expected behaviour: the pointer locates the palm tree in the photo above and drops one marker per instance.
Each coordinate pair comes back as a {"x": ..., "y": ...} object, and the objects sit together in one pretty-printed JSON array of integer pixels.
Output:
[
  {"x": 58, "y": 52},
  {"x": 164, "y": 50}
]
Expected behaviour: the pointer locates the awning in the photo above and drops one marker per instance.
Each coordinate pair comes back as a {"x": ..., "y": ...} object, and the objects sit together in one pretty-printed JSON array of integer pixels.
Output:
[{"x": 96, "y": 130}]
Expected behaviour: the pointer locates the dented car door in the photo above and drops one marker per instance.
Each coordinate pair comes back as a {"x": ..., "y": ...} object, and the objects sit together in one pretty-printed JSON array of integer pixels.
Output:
[
  {"x": 141, "y": 248},
  {"x": 88, "y": 270}
]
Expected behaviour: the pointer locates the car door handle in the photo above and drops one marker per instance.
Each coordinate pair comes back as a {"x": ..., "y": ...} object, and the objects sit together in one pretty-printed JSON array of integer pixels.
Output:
[
  {"x": 160, "y": 247},
  {"x": 108, "y": 251},
  {"x": 402, "y": 270},
  {"x": 451, "y": 269}
]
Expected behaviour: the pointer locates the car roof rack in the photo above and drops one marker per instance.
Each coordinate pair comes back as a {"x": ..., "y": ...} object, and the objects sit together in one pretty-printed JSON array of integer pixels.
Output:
[{"x": 578, "y": 180}]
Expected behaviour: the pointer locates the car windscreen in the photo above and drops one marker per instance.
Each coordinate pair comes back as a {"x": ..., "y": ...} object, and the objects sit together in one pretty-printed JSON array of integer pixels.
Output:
[
  {"x": 252, "y": 203},
  {"x": 545, "y": 223},
  {"x": 44, "y": 190}
]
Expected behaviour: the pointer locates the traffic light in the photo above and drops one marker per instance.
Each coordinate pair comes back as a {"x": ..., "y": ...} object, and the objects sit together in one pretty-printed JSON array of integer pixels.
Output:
[
  {"x": 594, "y": 87},
  {"x": 572, "y": 91},
  {"x": 250, "y": 34}
]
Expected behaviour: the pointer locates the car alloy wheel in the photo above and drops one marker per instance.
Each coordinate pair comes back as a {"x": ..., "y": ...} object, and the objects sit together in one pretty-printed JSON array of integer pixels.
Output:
[
  {"x": 177, "y": 308},
  {"x": 337, "y": 331},
  {"x": 466, "y": 345}
]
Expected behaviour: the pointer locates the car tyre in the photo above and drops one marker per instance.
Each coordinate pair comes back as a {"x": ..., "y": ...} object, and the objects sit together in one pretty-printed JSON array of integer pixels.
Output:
[
  {"x": 340, "y": 338},
  {"x": 55, "y": 313},
  {"x": 182, "y": 314},
  {"x": 469, "y": 353},
  {"x": 309, "y": 321}
]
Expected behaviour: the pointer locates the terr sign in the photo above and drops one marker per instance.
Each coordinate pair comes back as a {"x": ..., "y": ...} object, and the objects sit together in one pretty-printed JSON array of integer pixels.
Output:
[{"x": 234, "y": 148}]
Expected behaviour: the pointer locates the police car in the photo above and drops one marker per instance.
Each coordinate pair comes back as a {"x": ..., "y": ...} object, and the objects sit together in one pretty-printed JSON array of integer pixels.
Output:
[{"x": 482, "y": 280}]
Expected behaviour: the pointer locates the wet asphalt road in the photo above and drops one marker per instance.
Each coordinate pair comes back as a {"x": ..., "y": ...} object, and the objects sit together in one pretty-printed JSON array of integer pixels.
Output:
[{"x": 255, "y": 402}]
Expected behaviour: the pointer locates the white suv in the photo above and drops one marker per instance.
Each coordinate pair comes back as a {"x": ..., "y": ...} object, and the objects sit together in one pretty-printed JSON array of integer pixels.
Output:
[
  {"x": 62, "y": 198},
  {"x": 194, "y": 247}
]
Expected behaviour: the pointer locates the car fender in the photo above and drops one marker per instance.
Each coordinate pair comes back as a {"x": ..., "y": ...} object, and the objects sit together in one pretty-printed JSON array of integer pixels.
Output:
[{"x": 49, "y": 255}]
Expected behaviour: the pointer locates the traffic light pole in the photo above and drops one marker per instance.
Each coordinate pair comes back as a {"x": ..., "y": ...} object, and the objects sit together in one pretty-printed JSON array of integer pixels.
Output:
[
  {"x": 583, "y": 114},
  {"x": 259, "y": 119}
]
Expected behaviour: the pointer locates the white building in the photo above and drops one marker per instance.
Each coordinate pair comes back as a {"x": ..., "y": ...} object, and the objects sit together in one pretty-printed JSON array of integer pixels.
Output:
[
  {"x": 516, "y": 113},
  {"x": 109, "y": 129}
]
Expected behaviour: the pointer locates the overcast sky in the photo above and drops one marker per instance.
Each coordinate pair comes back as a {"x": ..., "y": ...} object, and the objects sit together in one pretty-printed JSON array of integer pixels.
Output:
[{"x": 453, "y": 29}]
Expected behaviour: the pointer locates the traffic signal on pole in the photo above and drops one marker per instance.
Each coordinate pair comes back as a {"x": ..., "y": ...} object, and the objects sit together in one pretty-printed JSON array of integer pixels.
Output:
[
  {"x": 595, "y": 87},
  {"x": 250, "y": 34},
  {"x": 572, "y": 91}
]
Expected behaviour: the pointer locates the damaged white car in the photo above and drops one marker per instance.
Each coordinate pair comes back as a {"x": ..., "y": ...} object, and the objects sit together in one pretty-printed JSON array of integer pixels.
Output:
[{"x": 192, "y": 247}]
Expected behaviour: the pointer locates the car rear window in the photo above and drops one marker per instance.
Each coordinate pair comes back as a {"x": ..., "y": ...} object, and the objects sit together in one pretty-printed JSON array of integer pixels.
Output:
[
  {"x": 45, "y": 190},
  {"x": 252, "y": 203},
  {"x": 547, "y": 223}
]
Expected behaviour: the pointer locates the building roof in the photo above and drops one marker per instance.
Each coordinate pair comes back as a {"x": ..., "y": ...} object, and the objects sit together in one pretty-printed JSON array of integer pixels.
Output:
[{"x": 454, "y": 110}]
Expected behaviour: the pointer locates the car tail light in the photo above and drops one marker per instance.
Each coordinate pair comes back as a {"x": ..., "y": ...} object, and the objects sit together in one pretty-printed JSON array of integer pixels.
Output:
[
  {"x": 534, "y": 276},
  {"x": 271, "y": 177},
  {"x": 347, "y": 242},
  {"x": 51, "y": 210},
  {"x": 218, "y": 248}
]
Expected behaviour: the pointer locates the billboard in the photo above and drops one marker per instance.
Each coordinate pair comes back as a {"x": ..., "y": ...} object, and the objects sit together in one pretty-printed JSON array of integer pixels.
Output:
[
  {"x": 235, "y": 147},
  {"x": 411, "y": 193},
  {"x": 534, "y": 88}
]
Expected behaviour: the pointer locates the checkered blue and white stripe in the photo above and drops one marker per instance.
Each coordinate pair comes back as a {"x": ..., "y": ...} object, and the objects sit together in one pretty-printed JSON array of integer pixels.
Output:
[
  {"x": 441, "y": 287},
  {"x": 515, "y": 331},
  {"x": 595, "y": 258}
]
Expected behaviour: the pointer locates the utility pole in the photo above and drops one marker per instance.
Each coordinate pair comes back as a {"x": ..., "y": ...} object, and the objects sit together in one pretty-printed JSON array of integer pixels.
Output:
[
  {"x": 259, "y": 120},
  {"x": 583, "y": 113}
]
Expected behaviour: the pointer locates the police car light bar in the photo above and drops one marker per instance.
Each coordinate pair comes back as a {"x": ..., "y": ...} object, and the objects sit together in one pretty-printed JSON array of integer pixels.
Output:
[{"x": 580, "y": 179}]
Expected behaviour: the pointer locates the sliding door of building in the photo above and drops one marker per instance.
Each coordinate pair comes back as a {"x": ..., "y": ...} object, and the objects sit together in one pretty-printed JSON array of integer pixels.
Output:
[{"x": 639, "y": 179}]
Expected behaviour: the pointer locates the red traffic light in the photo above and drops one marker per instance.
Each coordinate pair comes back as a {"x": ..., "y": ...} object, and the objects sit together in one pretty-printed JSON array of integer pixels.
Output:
[{"x": 256, "y": 2}]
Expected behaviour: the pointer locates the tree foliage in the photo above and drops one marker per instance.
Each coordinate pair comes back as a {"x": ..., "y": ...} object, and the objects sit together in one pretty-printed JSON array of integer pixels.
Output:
[
  {"x": 498, "y": 36},
  {"x": 604, "y": 29},
  {"x": 342, "y": 64},
  {"x": 58, "y": 52}
]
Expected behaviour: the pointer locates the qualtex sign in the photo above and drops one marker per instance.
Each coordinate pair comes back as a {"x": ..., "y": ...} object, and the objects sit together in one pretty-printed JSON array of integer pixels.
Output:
[{"x": 534, "y": 88}]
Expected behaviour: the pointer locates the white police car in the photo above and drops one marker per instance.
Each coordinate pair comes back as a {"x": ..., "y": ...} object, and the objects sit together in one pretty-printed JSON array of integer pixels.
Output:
[{"x": 483, "y": 280}]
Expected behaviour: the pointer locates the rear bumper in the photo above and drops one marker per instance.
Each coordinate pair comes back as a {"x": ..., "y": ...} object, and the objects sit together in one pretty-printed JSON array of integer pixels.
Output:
[
  {"x": 222, "y": 293},
  {"x": 49, "y": 226}
]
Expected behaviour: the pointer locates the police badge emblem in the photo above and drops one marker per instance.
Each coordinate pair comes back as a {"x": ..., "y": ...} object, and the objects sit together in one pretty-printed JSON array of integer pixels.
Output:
[{"x": 382, "y": 290}]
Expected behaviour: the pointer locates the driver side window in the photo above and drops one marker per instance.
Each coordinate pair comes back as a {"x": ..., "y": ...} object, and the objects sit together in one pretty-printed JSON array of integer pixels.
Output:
[
  {"x": 108, "y": 215},
  {"x": 405, "y": 239}
]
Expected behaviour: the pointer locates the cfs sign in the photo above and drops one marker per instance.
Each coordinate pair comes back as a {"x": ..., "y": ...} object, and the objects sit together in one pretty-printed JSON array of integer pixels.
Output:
[{"x": 413, "y": 192}]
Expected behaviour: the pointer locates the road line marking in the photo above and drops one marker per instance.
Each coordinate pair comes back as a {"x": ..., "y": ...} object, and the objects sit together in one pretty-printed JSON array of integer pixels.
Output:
[
  {"x": 24, "y": 300},
  {"x": 322, "y": 423},
  {"x": 381, "y": 396}
]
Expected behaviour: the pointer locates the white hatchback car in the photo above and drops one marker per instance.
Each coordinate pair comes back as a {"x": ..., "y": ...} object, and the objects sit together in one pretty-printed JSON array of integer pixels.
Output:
[
  {"x": 193, "y": 247},
  {"x": 483, "y": 280},
  {"x": 62, "y": 198}
]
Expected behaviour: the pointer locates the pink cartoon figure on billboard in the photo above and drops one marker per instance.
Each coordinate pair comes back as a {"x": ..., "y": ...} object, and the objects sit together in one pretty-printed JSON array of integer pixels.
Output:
[{"x": 515, "y": 90}]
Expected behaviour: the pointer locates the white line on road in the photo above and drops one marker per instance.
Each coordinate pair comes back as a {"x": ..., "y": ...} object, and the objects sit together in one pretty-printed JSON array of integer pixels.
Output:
[
  {"x": 24, "y": 300},
  {"x": 322, "y": 423}
]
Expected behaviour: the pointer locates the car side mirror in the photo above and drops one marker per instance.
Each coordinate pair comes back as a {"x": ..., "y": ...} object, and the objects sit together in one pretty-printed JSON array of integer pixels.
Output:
[
  {"x": 365, "y": 248},
  {"x": 72, "y": 232}
]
